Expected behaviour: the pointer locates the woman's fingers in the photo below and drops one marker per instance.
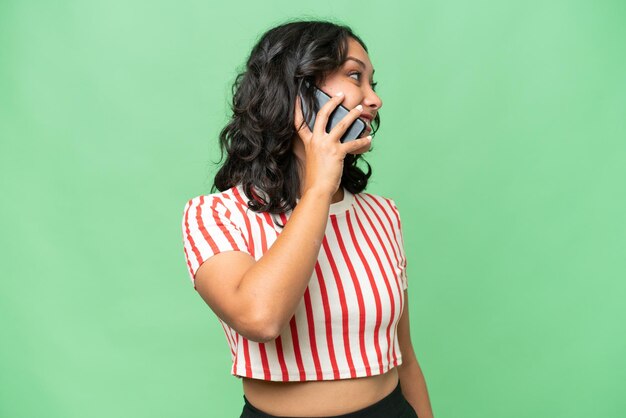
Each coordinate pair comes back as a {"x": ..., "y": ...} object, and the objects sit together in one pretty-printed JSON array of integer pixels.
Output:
[
  {"x": 344, "y": 124},
  {"x": 358, "y": 146}
]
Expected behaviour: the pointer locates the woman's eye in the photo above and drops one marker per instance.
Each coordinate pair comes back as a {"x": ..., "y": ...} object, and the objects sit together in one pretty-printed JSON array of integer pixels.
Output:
[{"x": 359, "y": 77}]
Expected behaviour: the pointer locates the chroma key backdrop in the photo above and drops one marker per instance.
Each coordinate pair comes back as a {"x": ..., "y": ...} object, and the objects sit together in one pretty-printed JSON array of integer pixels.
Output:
[{"x": 502, "y": 142}]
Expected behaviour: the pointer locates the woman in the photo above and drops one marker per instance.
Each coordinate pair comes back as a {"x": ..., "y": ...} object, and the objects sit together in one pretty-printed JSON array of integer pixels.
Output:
[{"x": 305, "y": 272}]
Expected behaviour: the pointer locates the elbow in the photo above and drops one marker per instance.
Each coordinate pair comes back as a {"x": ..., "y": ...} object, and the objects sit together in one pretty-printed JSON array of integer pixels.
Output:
[
  {"x": 265, "y": 338},
  {"x": 262, "y": 333},
  {"x": 261, "y": 329}
]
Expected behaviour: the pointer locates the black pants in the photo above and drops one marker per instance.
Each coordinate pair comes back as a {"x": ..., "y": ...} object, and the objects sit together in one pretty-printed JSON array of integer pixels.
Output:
[{"x": 393, "y": 405}]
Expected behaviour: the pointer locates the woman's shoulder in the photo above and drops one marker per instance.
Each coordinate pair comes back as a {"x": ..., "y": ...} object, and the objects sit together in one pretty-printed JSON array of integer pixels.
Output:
[
  {"x": 229, "y": 199},
  {"x": 383, "y": 205},
  {"x": 383, "y": 201}
]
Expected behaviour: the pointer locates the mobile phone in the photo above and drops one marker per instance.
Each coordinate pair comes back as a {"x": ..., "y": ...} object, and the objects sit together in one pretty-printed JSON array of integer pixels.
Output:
[{"x": 354, "y": 131}]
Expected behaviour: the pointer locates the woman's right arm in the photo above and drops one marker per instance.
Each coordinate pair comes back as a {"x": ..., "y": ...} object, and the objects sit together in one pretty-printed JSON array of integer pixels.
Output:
[{"x": 258, "y": 298}]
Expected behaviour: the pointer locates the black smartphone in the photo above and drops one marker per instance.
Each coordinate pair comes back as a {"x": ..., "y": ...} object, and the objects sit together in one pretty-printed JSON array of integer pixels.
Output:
[{"x": 353, "y": 132}]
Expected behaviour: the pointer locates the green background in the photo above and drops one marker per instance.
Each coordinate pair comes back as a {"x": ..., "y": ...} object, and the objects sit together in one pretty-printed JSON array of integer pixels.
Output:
[{"x": 502, "y": 141}]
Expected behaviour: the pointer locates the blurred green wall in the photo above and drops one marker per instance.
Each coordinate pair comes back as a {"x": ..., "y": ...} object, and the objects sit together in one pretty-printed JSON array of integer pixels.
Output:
[{"x": 502, "y": 141}]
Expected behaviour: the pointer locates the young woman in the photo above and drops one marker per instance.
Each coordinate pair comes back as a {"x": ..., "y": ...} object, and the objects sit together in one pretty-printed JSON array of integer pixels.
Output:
[{"x": 305, "y": 271}]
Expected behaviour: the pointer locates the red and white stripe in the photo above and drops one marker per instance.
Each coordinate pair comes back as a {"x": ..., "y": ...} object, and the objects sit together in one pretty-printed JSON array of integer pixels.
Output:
[{"x": 345, "y": 324}]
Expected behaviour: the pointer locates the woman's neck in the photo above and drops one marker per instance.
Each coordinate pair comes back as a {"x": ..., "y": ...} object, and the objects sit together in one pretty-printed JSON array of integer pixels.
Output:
[{"x": 338, "y": 196}]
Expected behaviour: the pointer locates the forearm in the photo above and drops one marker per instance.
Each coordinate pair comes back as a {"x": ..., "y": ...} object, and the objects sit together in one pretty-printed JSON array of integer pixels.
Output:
[
  {"x": 414, "y": 387},
  {"x": 283, "y": 272}
]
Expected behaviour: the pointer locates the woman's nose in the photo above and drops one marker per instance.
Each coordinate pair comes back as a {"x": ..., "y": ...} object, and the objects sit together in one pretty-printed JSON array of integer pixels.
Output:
[{"x": 372, "y": 100}]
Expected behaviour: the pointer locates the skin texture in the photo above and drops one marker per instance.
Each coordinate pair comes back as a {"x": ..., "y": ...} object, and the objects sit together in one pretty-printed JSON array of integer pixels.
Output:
[{"x": 319, "y": 398}]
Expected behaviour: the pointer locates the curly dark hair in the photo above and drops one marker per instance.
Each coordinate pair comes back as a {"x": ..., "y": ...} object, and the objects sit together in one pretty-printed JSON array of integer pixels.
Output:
[{"x": 288, "y": 59}]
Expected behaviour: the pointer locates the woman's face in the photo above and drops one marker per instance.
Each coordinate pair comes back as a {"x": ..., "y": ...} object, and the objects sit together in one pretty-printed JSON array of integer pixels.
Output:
[{"x": 355, "y": 78}]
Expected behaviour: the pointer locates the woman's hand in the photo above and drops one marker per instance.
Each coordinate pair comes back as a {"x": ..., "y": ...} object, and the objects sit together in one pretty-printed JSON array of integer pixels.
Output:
[{"x": 324, "y": 151}]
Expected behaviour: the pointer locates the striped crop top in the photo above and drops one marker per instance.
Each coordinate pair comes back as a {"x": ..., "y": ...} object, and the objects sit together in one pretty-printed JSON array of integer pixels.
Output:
[{"x": 345, "y": 325}]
